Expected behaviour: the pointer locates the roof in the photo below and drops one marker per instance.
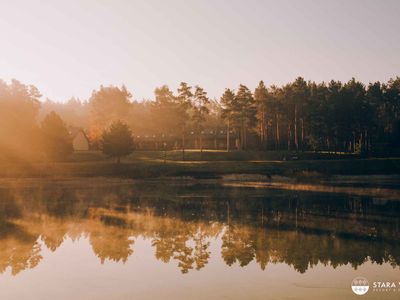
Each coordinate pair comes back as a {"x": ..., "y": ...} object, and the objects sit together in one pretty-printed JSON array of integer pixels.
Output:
[{"x": 74, "y": 131}]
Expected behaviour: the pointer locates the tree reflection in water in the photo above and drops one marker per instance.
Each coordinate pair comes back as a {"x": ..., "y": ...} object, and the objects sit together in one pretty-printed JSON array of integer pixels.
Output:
[{"x": 298, "y": 228}]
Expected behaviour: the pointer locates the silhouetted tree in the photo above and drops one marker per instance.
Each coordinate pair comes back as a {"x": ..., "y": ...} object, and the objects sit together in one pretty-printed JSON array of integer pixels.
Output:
[
  {"x": 244, "y": 114},
  {"x": 299, "y": 99},
  {"x": 165, "y": 111},
  {"x": 227, "y": 102},
  {"x": 57, "y": 143},
  {"x": 184, "y": 100},
  {"x": 117, "y": 141},
  {"x": 200, "y": 111},
  {"x": 107, "y": 105},
  {"x": 261, "y": 100},
  {"x": 19, "y": 132}
]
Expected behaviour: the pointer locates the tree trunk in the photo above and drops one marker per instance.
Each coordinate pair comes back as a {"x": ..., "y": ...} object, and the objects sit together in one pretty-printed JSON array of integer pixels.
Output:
[
  {"x": 296, "y": 141},
  {"x": 228, "y": 137},
  {"x": 289, "y": 137},
  {"x": 262, "y": 129},
  {"x": 262, "y": 132},
  {"x": 302, "y": 134},
  {"x": 277, "y": 133},
  {"x": 183, "y": 143},
  {"x": 244, "y": 138},
  {"x": 201, "y": 147}
]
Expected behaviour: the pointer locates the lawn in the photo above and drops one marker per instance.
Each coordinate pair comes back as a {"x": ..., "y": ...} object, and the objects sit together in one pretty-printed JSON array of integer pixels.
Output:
[{"x": 209, "y": 164}]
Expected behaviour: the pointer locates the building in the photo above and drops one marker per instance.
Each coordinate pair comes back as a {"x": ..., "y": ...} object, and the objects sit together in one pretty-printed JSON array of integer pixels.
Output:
[
  {"x": 210, "y": 139},
  {"x": 80, "y": 142}
]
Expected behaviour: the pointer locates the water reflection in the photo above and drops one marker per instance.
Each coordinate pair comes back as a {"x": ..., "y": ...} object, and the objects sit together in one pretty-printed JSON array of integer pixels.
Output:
[{"x": 298, "y": 228}]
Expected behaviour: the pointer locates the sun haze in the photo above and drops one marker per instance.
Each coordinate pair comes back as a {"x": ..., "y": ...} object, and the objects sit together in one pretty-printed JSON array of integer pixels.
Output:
[{"x": 69, "y": 48}]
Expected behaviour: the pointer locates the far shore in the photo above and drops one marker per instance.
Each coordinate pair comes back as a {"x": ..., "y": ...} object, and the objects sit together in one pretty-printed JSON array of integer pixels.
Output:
[{"x": 208, "y": 164}]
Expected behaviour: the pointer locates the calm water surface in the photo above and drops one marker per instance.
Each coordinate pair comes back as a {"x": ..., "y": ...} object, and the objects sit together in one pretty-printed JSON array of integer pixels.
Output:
[{"x": 174, "y": 239}]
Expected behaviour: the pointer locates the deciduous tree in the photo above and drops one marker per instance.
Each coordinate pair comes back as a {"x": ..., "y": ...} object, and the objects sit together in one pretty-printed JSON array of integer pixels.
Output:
[{"x": 57, "y": 142}]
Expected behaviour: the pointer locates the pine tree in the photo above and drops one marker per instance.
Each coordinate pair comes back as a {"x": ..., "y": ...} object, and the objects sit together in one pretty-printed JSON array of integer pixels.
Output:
[
  {"x": 200, "y": 111},
  {"x": 184, "y": 101},
  {"x": 261, "y": 100},
  {"x": 244, "y": 114},
  {"x": 227, "y": 101}
]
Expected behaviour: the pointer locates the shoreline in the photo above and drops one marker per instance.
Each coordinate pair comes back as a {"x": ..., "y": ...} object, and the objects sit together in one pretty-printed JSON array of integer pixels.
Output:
[{"x": 151, "y": 169}]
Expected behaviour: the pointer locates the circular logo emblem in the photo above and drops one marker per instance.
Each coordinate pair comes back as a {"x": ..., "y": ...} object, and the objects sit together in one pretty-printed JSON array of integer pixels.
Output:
[{"x": 360, "y": 286}]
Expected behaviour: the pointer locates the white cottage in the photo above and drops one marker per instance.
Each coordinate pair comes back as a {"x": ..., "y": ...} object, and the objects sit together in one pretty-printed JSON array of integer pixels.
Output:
[{"x": 80, "y": 142}]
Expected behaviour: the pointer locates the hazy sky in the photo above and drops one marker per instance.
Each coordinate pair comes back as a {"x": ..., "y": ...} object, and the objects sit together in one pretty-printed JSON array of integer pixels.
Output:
[{"x": 69, "y": 48}]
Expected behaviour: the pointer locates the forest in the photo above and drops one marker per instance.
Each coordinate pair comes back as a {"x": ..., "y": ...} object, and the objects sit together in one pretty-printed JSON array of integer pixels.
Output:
[{"x": 302, "y": 115}]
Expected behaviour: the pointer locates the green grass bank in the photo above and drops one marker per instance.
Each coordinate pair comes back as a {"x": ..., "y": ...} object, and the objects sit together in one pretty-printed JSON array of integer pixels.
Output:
[{"x": 209, "y": 164}]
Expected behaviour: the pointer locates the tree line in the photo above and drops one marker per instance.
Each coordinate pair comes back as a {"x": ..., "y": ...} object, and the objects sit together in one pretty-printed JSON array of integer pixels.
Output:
[{"x": 299, "y": 116}]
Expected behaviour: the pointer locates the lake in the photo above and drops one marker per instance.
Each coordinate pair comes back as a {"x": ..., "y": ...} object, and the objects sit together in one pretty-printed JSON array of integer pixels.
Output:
[{"x": 235, "y": 238}]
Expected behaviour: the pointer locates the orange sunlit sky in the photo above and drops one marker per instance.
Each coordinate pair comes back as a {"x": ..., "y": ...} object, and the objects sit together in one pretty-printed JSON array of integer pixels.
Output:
[{"x": 69, "y": 48}]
